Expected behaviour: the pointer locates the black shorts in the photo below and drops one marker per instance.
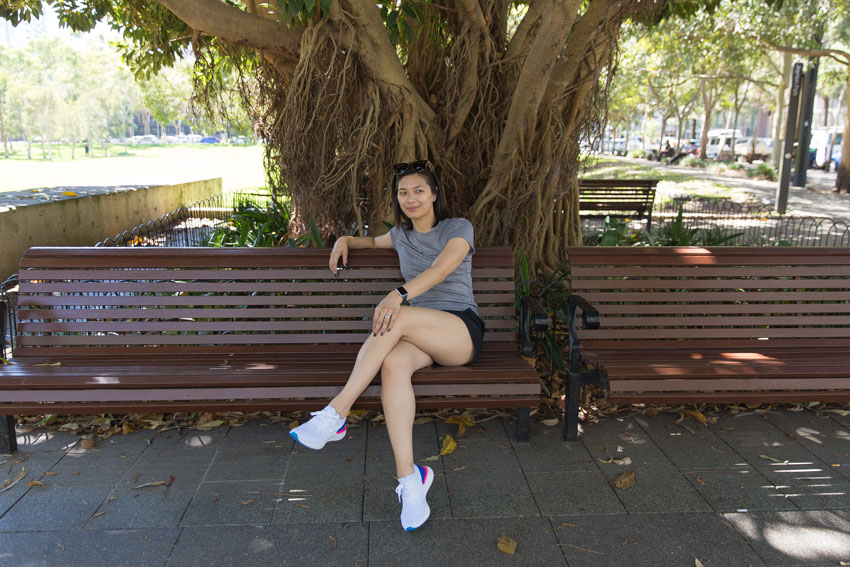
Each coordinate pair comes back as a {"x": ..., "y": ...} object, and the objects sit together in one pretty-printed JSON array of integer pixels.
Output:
[{"x": 475, "y": 325}]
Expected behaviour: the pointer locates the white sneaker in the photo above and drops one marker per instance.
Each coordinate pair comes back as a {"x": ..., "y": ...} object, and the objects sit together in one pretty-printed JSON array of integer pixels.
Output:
[
  {"x": 324, "y": 426},
  {"x": 412, "y": 491}
]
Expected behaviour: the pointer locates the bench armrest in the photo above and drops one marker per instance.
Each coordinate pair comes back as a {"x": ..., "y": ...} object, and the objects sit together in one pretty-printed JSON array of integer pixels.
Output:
[
  {"x": 589, "y": 314},
  {"x": 532, "y": 317},
  {"x": 7, "y": 315}
]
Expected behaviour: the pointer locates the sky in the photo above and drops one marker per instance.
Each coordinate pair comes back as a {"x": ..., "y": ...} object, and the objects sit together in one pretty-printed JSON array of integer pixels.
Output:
[{"x": 17, "y": 36}]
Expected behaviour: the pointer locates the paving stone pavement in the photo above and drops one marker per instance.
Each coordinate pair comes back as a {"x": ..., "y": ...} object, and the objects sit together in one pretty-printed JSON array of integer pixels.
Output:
[{"x": 757, "y": 488}]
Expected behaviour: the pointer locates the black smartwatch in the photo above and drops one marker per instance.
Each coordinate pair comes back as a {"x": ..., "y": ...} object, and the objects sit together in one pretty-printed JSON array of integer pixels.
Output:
[{"x": 402, "y": 292}]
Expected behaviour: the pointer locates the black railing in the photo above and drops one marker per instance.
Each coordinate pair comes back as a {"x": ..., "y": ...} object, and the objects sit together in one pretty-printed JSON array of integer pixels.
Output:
[
  {"x": 758, "y": 225},
  {"x": 191, "y": 225}
]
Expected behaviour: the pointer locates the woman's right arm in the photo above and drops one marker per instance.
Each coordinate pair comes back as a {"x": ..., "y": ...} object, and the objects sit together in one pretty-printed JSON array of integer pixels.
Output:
[{"x": 346, "y": 243}]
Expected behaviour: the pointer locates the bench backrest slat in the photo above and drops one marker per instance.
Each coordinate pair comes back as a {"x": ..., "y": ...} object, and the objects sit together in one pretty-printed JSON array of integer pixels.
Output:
[
  {"x": 714, "y": 296},
  {"x": 82, "y": 300}
]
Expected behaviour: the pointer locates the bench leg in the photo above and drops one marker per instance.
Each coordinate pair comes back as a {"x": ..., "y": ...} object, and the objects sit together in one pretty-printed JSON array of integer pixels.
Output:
[
  {"x": 8, "y": 443},
  {"x": 523, "y": 420},
  {"x": 571, "y": 408}
]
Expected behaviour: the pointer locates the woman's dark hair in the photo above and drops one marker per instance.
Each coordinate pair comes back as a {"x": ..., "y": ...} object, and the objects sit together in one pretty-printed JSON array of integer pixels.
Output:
[{"x": 441, "y": 208}]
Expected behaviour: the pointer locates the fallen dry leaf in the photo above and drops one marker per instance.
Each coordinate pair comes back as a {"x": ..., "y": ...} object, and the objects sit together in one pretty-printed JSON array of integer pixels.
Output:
[
  {"x": 842, "y": 413},
  {"x": 35, "y": 483},
  {"x": 51, "y": 473},
  {"x": 69, "y": 194},
  {"x": 696, "y": 414},
  {"x": 769, "y": 458},
  {"x": 624, "y": 480},
  {"x": 506, "y": 545},
  {"x": 9, "y": 483},
  {"x": 431, "y": 458},
  {"x": 623, "y": 461},
  {"x": 293, "y": 424},
  {"x": 49, "y": 364},
  {"x": 697, "y": 562},
  {"x": 5, "y": 361},
  {"x": 88, "y": 443},
  {"x": 449, "y": 445},
  {"x": 99, "y": 514},
  {"x": 607, "y": 461},
  {"x": 126, "y": 428},
  {"x": 423, "y": 420},
  {"x": 210, "y": 425},
  {"x": 245, "y": 502},
  {"x": 550, "y": 422}
]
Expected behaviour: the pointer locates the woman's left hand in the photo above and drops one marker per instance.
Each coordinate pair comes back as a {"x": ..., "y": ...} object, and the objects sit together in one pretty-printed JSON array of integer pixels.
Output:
[{"x": 386, "y": 313}]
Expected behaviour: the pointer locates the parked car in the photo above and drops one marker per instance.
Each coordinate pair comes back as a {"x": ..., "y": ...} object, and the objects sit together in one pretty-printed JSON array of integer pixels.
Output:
[
  {"x": 210, "y": 140},
  {"x": 720, "y": 143}
]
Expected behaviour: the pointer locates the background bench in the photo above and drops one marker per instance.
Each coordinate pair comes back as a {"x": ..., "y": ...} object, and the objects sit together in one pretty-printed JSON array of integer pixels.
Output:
[
  {"x": 206, "y": 329},
  {"x": 617, "y": 198},
  {"x": 705, "y": 325}
]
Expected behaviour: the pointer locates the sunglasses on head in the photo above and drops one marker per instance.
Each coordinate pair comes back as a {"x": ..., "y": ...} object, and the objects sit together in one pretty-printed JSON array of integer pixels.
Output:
[{"x": 414, "y": 166}]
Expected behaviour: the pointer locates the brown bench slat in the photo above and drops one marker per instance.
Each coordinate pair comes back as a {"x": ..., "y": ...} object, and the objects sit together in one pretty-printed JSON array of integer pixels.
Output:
[
  {"x": 190, "y": 258},
  {"x": 424, "y": 402},
  {"x": 240, "y": 274},
  {"x": 736, "y": 324},
  {"x": 221, "y": 313}
]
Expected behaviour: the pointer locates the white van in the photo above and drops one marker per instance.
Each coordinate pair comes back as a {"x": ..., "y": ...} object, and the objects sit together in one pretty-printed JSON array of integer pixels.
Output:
[
  {"x": 720, "y": 143},
  {"x": 821, "y": 142}
]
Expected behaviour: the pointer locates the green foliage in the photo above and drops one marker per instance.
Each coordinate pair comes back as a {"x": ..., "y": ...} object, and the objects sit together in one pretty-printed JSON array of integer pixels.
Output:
[
  {"x": 692, "y": 161},
  {"x": 617, "y": 232},
  {"x": 763, "y": 171},
  {"x": 255, "y": 225},
  {"x": 677, "y": 234}
]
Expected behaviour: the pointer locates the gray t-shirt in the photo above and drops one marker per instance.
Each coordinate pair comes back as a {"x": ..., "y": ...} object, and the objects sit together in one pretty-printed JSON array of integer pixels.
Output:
[{"x": 417, "y": 252}]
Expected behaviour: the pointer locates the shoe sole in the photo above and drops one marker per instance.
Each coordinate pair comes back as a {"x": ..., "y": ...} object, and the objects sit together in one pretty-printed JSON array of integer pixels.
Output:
[
  {"x": 428, "y": 484},
  {"x": 303, "y": 444}
]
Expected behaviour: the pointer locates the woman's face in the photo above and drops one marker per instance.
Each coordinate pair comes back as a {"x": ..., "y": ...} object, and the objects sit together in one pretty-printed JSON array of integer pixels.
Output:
[{"x": 415, "y": 196}]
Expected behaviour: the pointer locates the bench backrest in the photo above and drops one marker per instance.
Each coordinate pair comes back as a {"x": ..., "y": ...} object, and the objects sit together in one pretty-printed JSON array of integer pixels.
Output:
[
  {"x": 721, "y": 296},
  {"x": 78, "y": 301},
  {"x": 615, "y": 197}
]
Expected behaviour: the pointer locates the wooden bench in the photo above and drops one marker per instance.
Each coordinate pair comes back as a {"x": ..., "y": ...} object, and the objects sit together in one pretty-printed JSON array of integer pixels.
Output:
[
  {"x": 671, "y": 325},
  {"x": 617, "y": 198},
  {"x": 131, "y": 330}
]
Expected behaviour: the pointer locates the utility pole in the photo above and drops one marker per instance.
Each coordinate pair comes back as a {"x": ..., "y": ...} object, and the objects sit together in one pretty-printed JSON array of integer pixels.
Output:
[{"x": 790, "y": 129}]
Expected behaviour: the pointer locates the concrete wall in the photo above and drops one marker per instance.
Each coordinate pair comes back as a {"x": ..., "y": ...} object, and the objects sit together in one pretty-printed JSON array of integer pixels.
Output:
[{"x": 86, "y": 220}]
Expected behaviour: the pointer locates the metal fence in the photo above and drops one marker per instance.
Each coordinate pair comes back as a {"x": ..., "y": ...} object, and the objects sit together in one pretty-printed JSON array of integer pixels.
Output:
[
  {"x": 191, "y": 225},
  {"x": 754, "y": 224}
]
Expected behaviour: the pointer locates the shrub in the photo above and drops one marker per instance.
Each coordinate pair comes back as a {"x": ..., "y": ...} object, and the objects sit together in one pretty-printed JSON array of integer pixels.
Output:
[
  {"x": 762, "y": 171},
  {"x": 639, "y": 154},
  {"x": 256, "y": 225},
  {"x": 692, "y": 161}
]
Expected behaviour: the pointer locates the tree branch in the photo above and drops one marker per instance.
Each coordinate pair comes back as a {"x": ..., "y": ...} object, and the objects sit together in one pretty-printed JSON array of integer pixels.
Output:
[
  {"x": 524, "y": 35},
  {"x": 473, "y": 14},
  {"x": 233, "y": 25},
  {"x": 379, "y": 56},
  {"x": 836, "y": 54}
]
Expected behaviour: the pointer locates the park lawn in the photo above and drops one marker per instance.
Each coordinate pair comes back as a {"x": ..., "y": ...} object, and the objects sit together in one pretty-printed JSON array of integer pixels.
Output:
[{"x": 238, "y": 166}]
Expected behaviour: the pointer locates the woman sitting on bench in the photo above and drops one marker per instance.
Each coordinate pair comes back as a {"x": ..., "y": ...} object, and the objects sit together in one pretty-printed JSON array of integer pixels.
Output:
[{"x": 441, "y": 325}]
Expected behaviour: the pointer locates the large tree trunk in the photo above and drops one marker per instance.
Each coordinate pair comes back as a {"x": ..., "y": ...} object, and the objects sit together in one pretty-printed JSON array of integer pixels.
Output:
[
  {"x": 779, "y": 112},
  {"x": 842, "y": 180},
  {"x": 499, "y": 117}
]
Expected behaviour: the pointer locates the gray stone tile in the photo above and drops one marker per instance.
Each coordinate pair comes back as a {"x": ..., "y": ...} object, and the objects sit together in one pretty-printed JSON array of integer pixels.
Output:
[
  {"x": 548, "y": 452},
  {"x": 230, "y": 503},
  {"x": 346, "y": 465},
  {"x": 381, "y": 504},
  {"x": 104, "y": 464},
  {"x": 289, "y": 545},
  {"x": 796, "y": 538},
  {"x": 494, "y": 495},
  {"x": 837, "y": 417},
  {"x": 483, "y": 456},
  {"x": 442, "y": 542},
  {"x": 574, "y": 493},
  {"x": 651, "y": 539},
  {"x": 46, "y": 440},
  {"x": 264, "y": 463},
  {"x": 253, "y": 434},
  {"x": 424, "y": 437},
  {"x": 92, "y": 548},
  {"x": 737, "y": 490},
  {"x": 831, "y": 446},
  {"x": 610, "y": 426},
  {"x": 149, "y": 507},
  {"x": 782, "y": 460},
  {"x": 819, "y": 495},
  {"x": 693, "y": 446},
  {"x": 657, "y": 489},
  {"x": 802, "y": 423},
  {"x": 755, "y": 422},
  {"x": 187, "y": 466},
  {"x": 495, "y": 429},
  {"x": 54, "y": 508},
  {"x": 189, "y": 438},
  {"x": 317, "y": 502}
]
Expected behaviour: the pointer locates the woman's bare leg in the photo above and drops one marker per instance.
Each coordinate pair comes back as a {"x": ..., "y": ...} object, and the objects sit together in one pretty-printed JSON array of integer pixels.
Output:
[
  {"x": 399, "y": 402},
  {"x": 442, "y": 336}
]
